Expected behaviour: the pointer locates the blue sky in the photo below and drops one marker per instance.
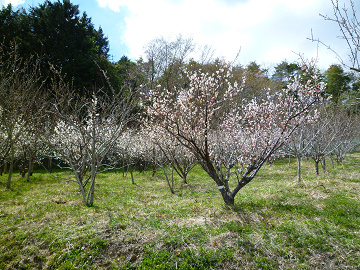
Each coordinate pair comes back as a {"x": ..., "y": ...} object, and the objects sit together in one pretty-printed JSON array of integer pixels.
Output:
[{"x": 266, "y": 31}]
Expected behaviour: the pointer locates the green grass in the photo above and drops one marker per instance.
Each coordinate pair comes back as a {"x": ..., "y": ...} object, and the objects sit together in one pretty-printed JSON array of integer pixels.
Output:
[{"x": 275, "y": 223}]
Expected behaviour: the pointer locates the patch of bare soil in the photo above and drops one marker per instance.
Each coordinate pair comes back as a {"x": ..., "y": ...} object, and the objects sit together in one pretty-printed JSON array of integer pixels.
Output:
[{"x": 123, "y": 246}]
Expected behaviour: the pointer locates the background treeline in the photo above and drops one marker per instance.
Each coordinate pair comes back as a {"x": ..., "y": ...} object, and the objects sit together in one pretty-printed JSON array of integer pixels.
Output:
[
  {"x": 63, "y": 38},
  {"x": 62, "y": 98}
]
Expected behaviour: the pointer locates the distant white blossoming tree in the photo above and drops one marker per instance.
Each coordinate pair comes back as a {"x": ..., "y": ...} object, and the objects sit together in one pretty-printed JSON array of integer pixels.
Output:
[
  {"x": 21, "y": 102},
  {"x": 165, "y": 152},
  {"x": 334, "y": 133},
  {"x": 86, "y": 129}
]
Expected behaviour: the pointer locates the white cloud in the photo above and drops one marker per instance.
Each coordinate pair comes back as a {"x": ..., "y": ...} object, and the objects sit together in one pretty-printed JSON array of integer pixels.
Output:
[
  {"x": 12, "y": 2},
  {"x": 112, "y": 4},
  {"x": 265, "y": 30}
]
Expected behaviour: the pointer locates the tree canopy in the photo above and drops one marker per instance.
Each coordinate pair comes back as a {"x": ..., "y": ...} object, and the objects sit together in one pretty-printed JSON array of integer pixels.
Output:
[
  {"x": 61, "y": 36},
  {"x": 337, "y": 82}
]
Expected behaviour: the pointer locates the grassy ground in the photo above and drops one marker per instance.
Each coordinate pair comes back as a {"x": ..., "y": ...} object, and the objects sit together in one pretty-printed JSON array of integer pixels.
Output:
[{"x": 275, "y": 223}]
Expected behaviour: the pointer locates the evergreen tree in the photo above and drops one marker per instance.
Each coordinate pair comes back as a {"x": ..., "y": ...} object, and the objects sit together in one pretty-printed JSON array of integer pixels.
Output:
[
  {"x": 63, "y": 38},
  {"x": 338, "y": 82},
  {"x": 284, "y": 71}
]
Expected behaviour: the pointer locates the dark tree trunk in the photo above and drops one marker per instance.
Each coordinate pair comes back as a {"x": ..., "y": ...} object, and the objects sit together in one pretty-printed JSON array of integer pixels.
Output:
[
  {"x": 5, "y": 167},
  {"x": 317, "y": 167},
  {"x": 31, "y": 168},
  {"x": 323, "y": 164},
  {"x": 11, "y": 168},
  {"x": 132, "y": 176},
  {"x": 184, "y": 178},
  {"x": 298, "y": 158},
  {"x": 227, "y": 196},
  {"x": 50, "y": 165}
]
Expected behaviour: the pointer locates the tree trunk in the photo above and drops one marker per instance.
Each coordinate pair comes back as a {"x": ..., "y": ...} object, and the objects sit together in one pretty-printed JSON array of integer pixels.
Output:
[
  {"x": 185, "y": 179},
  {"x": 172, "y": 176},
  {"x": 123, "y": 167},
  {"x": 31, "y": 168},
  {"x": 317, "y": 167},
  {"x": 323, "y": 164},
  {"x": 171, "y": 187},
  {"x": 298, "y": 158},
  {"x": 5, "y": 167},
  {"x": 227, "y": 196},
  {"x": 11, "y": 168},
  {"x": 79, "y": 181},
  {"x": 132, "y": 176},
  {"x": 23, "y": 172},
  {"x": 154, "y": 163},
  {"x": 127, "y": 170},
  {"x": 50, "y": 165},
  {"x": 332, "y": 162},
  {"x": 90, "y": 199},
  {"x": 94, "y": 163}
]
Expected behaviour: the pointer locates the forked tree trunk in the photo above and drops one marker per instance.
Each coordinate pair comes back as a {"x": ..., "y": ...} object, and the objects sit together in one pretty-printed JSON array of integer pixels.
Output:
[
  {"x": 227, "y": 196},
  {"x": 317, "y": 167},
  {"x": 79, "y": 180}
]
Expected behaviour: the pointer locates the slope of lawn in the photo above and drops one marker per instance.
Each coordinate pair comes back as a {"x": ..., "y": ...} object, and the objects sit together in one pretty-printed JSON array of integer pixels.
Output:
[{"x": 275, "y": 223}]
